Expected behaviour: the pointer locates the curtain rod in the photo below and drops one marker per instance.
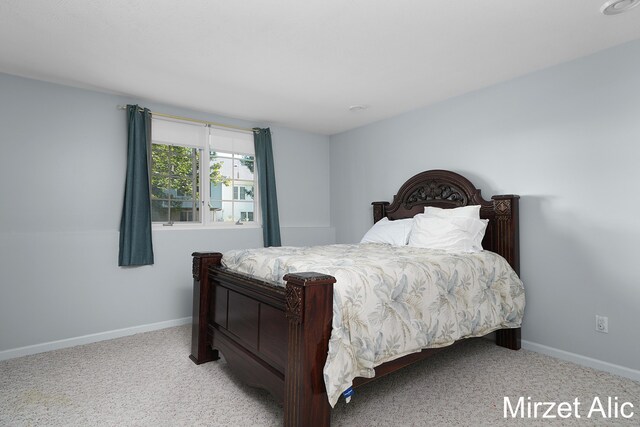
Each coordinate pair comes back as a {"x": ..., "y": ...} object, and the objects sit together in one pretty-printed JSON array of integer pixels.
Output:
[{"x": 187, "y": 119}]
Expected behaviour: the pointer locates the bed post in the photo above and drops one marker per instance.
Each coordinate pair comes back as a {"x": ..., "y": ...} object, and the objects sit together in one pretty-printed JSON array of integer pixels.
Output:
[
  {"x": 379, "y": 210},
  {"x": 509, "y": 338},
  {"x": 507, "y": 244},
  {"x": 309, "y": 310},
  {"x": 201, "y": 351},
  {"x": 507, "y": 241}
]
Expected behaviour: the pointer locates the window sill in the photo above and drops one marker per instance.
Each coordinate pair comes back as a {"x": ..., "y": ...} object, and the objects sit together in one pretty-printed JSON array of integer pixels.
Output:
[{"x": 175, "y": 227}]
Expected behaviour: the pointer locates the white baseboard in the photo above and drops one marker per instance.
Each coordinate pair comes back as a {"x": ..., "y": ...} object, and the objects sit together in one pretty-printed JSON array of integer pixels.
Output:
[
  {"x": 623, "y": 371},
  {"x": 88, "y": 339}
]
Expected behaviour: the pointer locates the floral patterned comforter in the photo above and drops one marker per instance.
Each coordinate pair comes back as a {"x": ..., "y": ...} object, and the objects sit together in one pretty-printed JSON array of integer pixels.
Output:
[{"x": 390, "y": 301}]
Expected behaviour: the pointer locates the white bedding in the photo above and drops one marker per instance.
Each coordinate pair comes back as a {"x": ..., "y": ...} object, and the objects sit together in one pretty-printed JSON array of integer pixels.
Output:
[{"x": 390, "y": 301}]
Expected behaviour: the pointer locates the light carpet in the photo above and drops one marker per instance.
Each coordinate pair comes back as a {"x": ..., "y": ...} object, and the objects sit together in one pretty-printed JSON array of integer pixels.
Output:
[{"x": 148, "y": 380}]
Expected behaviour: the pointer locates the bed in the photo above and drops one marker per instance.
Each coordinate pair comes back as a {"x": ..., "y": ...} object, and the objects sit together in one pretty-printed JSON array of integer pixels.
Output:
[{"x": 277, "y": 337}]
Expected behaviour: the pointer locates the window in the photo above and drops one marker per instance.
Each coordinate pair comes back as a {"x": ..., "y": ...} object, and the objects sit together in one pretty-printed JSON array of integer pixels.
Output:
[{"x": 201, "y": 174}]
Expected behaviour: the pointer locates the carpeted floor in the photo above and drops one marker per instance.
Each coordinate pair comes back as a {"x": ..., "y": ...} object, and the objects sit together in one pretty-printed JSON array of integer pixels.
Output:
[{"x": 148, "y": 380}]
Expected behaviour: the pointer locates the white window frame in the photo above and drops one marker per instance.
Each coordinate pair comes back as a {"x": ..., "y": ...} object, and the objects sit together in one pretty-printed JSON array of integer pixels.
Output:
[{"x": 204, "y": 145}]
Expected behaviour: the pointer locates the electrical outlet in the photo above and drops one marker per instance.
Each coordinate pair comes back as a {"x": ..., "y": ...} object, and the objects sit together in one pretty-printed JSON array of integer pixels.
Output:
[{"x": 602, "y": 324}]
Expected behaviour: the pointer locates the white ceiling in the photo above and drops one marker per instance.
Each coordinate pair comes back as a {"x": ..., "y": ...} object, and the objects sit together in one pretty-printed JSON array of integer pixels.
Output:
[{"x": 299, "y": 63}]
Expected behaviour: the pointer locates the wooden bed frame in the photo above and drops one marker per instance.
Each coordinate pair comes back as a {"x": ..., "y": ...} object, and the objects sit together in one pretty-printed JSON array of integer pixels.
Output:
[{"x": 277, "y": 337}]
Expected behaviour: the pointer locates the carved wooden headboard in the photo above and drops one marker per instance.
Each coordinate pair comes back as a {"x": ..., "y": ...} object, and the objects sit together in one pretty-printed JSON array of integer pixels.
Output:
[{"x": 445, "y": 189}]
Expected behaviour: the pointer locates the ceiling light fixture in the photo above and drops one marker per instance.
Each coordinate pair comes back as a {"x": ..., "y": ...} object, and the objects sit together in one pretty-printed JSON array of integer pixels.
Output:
[
  {"x": 360, "y": 107},
  {"x": 615, "y": 7}
]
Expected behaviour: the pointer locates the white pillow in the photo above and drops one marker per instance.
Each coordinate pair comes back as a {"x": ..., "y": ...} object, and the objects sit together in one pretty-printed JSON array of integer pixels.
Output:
[
  {"x": 471, "y": 211},
  {"x": 392, "y": 232},
  {"x": 450, "y": 234}
]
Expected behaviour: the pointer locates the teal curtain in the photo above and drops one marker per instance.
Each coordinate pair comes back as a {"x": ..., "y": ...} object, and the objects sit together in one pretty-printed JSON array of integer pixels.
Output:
[
  {"x": 267, "y": 187},
  {"x": 135, "y": 226}
]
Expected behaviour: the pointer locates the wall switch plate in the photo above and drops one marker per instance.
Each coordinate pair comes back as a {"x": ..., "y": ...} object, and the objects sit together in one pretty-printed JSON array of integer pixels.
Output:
[{"x": 602, "y": 324}]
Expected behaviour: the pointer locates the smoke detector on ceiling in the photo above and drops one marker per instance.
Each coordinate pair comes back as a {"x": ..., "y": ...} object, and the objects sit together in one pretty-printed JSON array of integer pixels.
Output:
[
  {"x": 615, "y": 7},
  {"x": 358, "y": 107}
]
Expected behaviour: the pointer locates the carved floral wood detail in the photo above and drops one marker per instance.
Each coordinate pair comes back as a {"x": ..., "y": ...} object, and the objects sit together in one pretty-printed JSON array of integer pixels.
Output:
[
  {"x": 293, "y": 297},
  {"x": 434, "y": 190}
]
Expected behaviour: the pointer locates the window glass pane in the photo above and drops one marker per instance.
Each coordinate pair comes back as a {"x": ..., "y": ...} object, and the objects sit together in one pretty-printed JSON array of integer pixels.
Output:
[
  {"x": 222, "y": 212},
  {"x": 227, "y": 192},
  {"x": 215, "y": 198},
  {"x": 221, "y": 191},
  {"x": 242, "y": 191},
  {"x": 159, "y": 187},
  {"x": 184, "y": 211},
  {"x": 184, "y": 161},
  {"x": 160, "y": 158},
  {"x": 243, "y": 211},
  {"x": 184, "y": 187},
  {"x": 175, "y": 183},
  {"x": 172, "y": 210},
  {"x": 220, "y": 170},
  {"x": 243, "y": 167},
  {"x": 159, "y": 211}
]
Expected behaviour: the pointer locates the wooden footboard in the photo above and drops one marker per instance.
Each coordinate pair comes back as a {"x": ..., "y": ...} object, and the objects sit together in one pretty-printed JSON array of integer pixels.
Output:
[{"x": 272, "y": 337}]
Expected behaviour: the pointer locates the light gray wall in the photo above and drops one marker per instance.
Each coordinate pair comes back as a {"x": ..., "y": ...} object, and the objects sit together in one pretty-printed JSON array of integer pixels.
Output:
[
  {"x": 567, "y": 139},
  {"x": 62, "y": 169}
]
